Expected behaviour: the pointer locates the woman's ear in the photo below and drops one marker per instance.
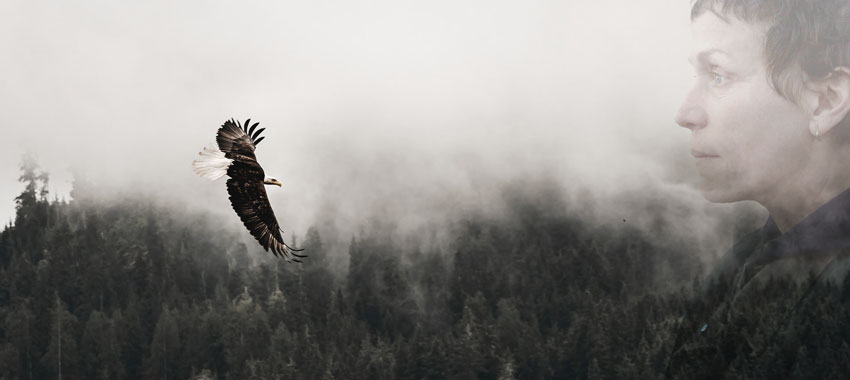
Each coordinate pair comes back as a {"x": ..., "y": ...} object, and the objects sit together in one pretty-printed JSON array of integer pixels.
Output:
[{"x": 831, "y": 101}]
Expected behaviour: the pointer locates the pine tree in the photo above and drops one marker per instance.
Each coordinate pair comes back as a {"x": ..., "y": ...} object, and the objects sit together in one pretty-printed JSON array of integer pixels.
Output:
[
  {"x": 20, "y": 351},
  {"x": 100, "y": 349},
  {"x": 61, "y": 357},
  {"x": 164, "y": 349}
]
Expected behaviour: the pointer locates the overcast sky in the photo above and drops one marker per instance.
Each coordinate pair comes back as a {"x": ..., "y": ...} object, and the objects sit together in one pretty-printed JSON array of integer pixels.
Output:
[{"x": 366, "y": 103}]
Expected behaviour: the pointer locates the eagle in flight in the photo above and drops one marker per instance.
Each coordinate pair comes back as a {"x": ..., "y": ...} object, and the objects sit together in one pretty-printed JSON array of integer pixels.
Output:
[{"x": 234, "y": 156}]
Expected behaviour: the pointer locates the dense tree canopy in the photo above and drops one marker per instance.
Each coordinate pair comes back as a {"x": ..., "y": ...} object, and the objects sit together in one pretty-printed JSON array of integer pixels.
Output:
[{"x": 132, "y": 289}]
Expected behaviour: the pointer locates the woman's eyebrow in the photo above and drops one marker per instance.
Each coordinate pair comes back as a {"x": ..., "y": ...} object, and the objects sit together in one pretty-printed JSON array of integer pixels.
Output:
[{"x": 704, "y": 55}]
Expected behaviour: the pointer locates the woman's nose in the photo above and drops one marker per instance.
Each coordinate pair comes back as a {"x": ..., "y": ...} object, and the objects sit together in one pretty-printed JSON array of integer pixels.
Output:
[{"x": 691, "y": 114}]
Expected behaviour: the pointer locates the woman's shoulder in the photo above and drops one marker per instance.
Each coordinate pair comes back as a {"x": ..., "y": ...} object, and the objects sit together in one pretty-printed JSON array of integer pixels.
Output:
[{"x": 743, "y": 248}]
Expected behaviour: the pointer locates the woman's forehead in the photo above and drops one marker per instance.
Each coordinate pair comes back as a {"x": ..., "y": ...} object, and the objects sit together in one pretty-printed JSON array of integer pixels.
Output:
[{"x": 732, "y": 42}]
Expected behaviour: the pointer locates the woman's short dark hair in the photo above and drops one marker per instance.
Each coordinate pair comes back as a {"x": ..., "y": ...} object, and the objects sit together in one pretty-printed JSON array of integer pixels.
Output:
[{"x": 805, "y": 40}]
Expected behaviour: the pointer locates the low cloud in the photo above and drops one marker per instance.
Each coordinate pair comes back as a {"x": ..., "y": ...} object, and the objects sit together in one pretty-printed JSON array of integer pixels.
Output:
[{"x": 413, "y": 112}]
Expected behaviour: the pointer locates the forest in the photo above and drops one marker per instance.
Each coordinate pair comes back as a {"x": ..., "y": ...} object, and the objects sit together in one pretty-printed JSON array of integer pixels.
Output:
[{"x": 130, "y": 289}]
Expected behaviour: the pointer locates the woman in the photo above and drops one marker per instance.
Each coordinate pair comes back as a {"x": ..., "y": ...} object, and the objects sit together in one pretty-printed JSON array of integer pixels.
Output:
[{"x": 768, "y": 116}]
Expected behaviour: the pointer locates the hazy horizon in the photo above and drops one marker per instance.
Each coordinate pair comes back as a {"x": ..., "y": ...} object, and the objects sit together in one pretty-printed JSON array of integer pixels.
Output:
[{"x": 370, "y": 107}]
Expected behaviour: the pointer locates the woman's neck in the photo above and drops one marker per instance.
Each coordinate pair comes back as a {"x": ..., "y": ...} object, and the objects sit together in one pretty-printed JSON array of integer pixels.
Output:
[{"x": 802, "y": 194}]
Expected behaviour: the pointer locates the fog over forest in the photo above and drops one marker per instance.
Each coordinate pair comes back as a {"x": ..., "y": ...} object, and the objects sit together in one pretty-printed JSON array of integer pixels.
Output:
[
  {"x": 398, "y": 111},
  {"x": 485, "y": 189}
]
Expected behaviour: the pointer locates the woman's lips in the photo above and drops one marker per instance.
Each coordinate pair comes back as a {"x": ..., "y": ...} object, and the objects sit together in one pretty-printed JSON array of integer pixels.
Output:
[{"x": 701, "y": 154}]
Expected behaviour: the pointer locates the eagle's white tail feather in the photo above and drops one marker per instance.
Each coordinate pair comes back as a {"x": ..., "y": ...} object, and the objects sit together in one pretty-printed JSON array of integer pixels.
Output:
[{"x": 212, "y": 164}]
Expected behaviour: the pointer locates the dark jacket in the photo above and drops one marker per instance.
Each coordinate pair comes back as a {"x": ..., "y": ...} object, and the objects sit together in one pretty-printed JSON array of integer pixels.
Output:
[{"x": 772, "y": 305}]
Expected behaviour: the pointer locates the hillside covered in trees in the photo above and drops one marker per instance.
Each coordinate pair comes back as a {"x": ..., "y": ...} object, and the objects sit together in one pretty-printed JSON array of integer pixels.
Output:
[{"x": 134, "y": 290}]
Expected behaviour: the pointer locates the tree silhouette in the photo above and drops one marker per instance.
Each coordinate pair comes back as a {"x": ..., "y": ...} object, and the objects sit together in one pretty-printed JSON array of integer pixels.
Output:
[{"x": 140, "y": 288}]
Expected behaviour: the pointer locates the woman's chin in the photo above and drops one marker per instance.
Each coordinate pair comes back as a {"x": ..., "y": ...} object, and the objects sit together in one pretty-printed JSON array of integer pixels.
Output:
[{"x": 719, "y": 194}]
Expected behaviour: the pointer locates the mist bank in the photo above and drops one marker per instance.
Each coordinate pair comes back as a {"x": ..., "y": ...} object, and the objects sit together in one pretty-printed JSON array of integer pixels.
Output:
[
  {"x": 536, "y": 285},
  {"x": 425, "y": 212},
  {"x": 364, "y": 103}
]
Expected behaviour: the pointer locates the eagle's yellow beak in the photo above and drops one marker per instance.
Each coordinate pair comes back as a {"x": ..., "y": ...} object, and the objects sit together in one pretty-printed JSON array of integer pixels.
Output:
[{"x": 272, "y": 181}]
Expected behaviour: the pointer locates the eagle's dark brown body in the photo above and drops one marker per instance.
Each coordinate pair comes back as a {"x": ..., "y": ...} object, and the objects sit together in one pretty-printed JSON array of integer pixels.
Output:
[{"x": 246, "y": 186}]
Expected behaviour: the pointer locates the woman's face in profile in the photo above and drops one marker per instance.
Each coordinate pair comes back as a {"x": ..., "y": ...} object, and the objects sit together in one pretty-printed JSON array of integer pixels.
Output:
[{"x": 748, "y": 140}]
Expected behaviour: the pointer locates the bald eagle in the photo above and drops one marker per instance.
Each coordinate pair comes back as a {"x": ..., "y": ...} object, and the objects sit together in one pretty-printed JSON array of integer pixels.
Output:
[{"x": 234, "y": 156}]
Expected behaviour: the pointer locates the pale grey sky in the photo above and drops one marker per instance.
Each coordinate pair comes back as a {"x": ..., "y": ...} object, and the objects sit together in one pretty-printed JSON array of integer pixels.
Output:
[{"x": 366, "y": 103}]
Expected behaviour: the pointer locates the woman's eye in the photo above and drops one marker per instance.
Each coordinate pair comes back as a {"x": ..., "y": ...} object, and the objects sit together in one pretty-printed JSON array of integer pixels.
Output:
[{"x": 718, "y": 79}]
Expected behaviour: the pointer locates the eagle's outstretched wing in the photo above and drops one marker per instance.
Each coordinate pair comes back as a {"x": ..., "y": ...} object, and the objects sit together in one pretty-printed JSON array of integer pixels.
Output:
[
  {"x": 234, "y": 139},
  {"x": 251, "y": 203},
  {"x": 247, "y": 191}
]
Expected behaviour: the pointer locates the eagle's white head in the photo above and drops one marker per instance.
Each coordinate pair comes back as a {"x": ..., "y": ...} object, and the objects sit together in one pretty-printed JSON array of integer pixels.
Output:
[{"x": 272, "y": 181}]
